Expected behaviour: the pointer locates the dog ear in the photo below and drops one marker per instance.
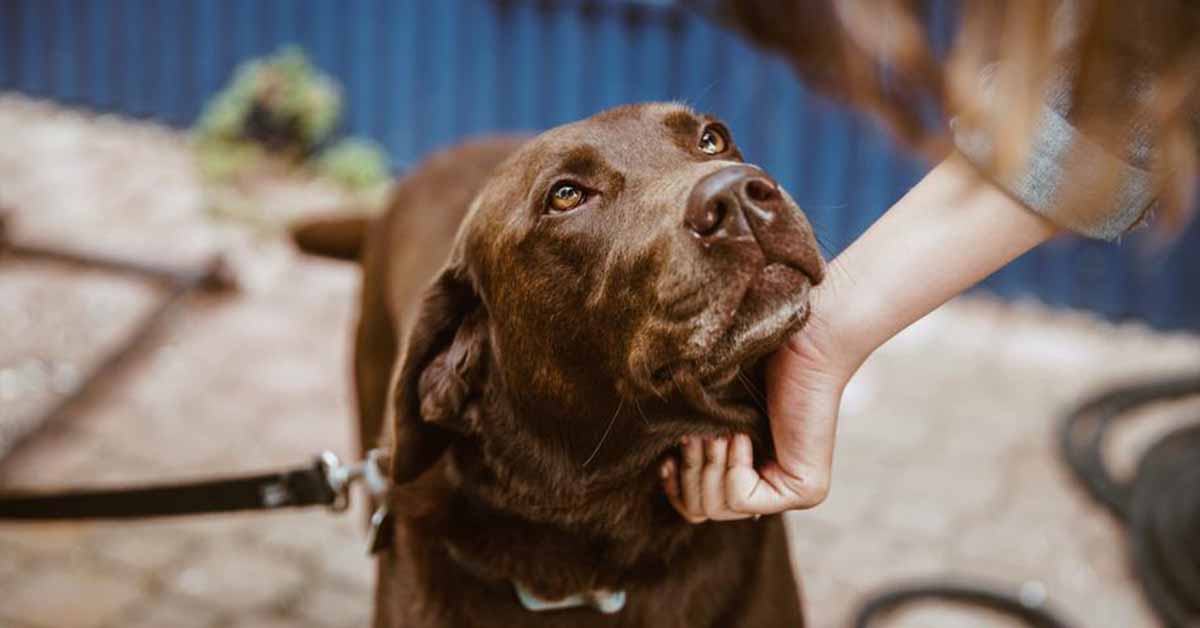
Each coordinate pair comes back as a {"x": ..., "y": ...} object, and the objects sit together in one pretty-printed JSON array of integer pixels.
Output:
[{"x": 440, "y": 375}]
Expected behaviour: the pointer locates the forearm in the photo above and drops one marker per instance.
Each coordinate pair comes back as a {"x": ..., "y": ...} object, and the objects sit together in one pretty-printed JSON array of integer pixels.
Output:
[{"x": 949, "y": 232}]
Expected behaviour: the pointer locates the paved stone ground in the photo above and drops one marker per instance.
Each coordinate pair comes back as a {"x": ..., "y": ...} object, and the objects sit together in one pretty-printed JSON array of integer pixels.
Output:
[{"x": 945, "y": 463}]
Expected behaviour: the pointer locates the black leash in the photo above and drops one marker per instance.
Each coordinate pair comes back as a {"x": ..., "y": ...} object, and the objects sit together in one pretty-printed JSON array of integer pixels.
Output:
[
  {"x": 269, "y": 491},
  {"x": 1160, "y": 507},
  {"x": 324, "y": 482}
]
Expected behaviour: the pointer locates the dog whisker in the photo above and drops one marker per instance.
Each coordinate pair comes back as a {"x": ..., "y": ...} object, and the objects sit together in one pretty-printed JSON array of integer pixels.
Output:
[
  {"x": 824, "y": 206},
  {"x": 835, "y": 267},
  {"x": 753, "y": 390},
  {"x": 604, "y": 437},
  {"x": 641, "y": 412},
  {"x": 649, "y": 376},
  {"x": 695, "y": 101},
  {"x": 751, "y": 387},
  {"x": 826, "y": 250}
]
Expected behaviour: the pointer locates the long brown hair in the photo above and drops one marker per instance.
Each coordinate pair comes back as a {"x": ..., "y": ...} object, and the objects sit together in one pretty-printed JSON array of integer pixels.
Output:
[{"x": 1131, "y": 71}]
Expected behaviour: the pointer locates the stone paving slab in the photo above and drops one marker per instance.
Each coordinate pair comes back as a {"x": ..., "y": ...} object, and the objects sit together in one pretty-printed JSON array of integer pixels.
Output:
[{"x": 945, "y": 463}]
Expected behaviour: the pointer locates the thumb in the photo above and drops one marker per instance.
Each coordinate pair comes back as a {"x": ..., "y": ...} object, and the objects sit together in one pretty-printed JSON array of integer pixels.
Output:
[{"x": 803, "y": 397}]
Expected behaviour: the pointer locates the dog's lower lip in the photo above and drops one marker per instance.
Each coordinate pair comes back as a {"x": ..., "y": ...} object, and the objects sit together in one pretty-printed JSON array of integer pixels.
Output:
[{"x": 775, "y": 306}]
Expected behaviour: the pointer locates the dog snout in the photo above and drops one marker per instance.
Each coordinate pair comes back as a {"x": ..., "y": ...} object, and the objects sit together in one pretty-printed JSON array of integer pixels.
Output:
[
  {"x": 722, "y": 204},
  {"x": 739, "y": 206}
]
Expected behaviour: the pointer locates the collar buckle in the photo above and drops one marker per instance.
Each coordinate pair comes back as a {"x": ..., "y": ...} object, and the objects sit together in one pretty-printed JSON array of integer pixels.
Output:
[{"x": 607, "y": 602}]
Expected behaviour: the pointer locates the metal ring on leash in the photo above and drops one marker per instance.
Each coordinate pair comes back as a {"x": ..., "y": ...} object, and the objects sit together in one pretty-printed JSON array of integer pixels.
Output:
[{"x": 340, "y": 476}]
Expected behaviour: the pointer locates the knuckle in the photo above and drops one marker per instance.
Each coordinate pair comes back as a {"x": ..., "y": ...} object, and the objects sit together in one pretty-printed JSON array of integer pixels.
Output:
[
  {"x": 795, "y": 346},
  {"x": 740, "y": 514},
  {"x": 814, "y": 494},
  {"x": 738, "y": 503}
]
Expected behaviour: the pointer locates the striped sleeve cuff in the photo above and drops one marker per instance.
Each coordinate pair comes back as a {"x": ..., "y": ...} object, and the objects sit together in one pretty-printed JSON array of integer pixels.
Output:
[{"x": 1067, "y": 177}]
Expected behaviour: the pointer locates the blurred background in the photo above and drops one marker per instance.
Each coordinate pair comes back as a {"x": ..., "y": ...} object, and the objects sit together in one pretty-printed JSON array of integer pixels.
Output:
[{"x": 164, "y": 134}]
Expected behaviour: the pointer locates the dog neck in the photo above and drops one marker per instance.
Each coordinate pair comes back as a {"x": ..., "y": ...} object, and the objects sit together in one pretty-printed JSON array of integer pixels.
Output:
[
  {"x": 518, "y": 505},
  {"x": 526, "y": 515}
]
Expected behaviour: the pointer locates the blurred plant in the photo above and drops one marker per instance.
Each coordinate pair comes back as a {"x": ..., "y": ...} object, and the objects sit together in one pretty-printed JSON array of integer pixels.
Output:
[
  {"x": 278, "y": 114},
  {"x": 355, "y": 163},
  {"x": 279, "y": 105}
]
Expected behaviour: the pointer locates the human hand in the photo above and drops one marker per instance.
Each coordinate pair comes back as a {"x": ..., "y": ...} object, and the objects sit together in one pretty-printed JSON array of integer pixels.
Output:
[
  {"x": 715, "y": 478},
  {"x": 951, "y": 230}
]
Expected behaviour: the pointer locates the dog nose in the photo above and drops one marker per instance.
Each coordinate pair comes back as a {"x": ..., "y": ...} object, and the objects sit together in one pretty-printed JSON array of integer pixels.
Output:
[{"x": 720, "y": 205}]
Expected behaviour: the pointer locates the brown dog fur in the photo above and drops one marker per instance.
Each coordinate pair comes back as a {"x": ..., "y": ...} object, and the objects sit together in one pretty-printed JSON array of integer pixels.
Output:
[{"x": 538, "y": 366}]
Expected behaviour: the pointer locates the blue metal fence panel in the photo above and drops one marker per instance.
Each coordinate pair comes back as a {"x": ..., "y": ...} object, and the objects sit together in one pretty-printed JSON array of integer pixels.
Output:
[{"x": 421, "y": 74}]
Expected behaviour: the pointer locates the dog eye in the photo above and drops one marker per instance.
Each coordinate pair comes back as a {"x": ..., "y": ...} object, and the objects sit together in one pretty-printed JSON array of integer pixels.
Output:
[
  {"x": 566, "y": 196},
  {"x": 712, "y": 141}
]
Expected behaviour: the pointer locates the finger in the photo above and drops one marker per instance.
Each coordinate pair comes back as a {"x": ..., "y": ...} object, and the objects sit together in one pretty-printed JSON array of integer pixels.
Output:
[
  {"x": 802, "y": 401},
  {"x": 669, "y": 472},
  {"x": 689, "y": 478},
  {"x": 712, "y": 479},
  {"x": 771, "y": 489},
  {"x": 741, "y": 478},
  {"x": 741, "y": 452},
  {"x": 795, "y": 490}
]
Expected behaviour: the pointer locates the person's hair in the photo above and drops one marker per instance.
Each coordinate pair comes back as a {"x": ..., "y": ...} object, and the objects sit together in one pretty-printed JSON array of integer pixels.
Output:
[{"x": 1131, "y": 70}]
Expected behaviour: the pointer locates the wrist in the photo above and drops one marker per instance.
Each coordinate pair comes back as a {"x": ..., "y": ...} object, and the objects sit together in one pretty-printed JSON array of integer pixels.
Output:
[
  {"x": 952, "y": 230},
  {"x": 844, "y": 328},
  {"x": 829, "y": 345}
]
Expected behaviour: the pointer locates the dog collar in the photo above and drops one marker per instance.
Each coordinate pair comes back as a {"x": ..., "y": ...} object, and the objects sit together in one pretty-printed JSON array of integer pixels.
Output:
[{"x": 607, "y": 602}]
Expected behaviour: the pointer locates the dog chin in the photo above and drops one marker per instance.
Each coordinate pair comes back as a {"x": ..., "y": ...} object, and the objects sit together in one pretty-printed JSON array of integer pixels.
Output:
[
  {"x": 762, "y": 315},
  {"x": 774, "y": 307}
]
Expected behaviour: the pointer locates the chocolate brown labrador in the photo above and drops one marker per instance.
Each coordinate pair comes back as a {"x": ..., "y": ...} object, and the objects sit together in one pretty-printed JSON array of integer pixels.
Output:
[{"x": 542, "y": 321}]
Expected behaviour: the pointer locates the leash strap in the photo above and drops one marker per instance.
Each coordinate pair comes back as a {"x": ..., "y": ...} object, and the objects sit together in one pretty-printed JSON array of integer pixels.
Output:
[{"x": 313, "y": 485}]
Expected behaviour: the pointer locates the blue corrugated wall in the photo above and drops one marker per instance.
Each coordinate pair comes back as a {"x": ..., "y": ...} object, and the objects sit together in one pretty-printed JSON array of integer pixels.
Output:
[{"x": 420, "y": 74}]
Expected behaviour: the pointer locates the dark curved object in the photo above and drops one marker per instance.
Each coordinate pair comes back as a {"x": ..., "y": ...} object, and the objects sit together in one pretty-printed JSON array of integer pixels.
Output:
[
  {"x": 215, "y": 276},
  {"x": 882, "y": 604},
  {"x": 337, "y": 236},
  {"x": 292, "y": 488},
  {"x": 1160, "y": 507}
]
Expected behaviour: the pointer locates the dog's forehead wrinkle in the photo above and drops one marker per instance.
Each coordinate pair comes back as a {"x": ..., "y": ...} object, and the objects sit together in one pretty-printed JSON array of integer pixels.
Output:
[
  {"x": 682, "y": 123},
  {"x": 583, "y": 161}
]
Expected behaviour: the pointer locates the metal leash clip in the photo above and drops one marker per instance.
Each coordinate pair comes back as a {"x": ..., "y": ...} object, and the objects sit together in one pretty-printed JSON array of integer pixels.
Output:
[
  {"x": 379, "y": 537},
  {"x": 340, "y": 477}
]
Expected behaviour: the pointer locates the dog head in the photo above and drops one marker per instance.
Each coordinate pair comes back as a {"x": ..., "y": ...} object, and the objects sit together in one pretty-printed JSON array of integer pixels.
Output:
[{"x": 618, "y": 278}]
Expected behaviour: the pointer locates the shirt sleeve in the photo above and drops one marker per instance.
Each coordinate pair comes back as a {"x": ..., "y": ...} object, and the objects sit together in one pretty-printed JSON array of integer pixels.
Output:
[{"x": 1108, "y": 194}]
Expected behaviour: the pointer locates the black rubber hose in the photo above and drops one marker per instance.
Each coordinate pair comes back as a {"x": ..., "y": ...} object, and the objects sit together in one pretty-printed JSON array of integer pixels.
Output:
[
  {"x": 1160, "y": 509},
  {"x": 1160, "y": 506},
  {"x": 882, "y": 604}
]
